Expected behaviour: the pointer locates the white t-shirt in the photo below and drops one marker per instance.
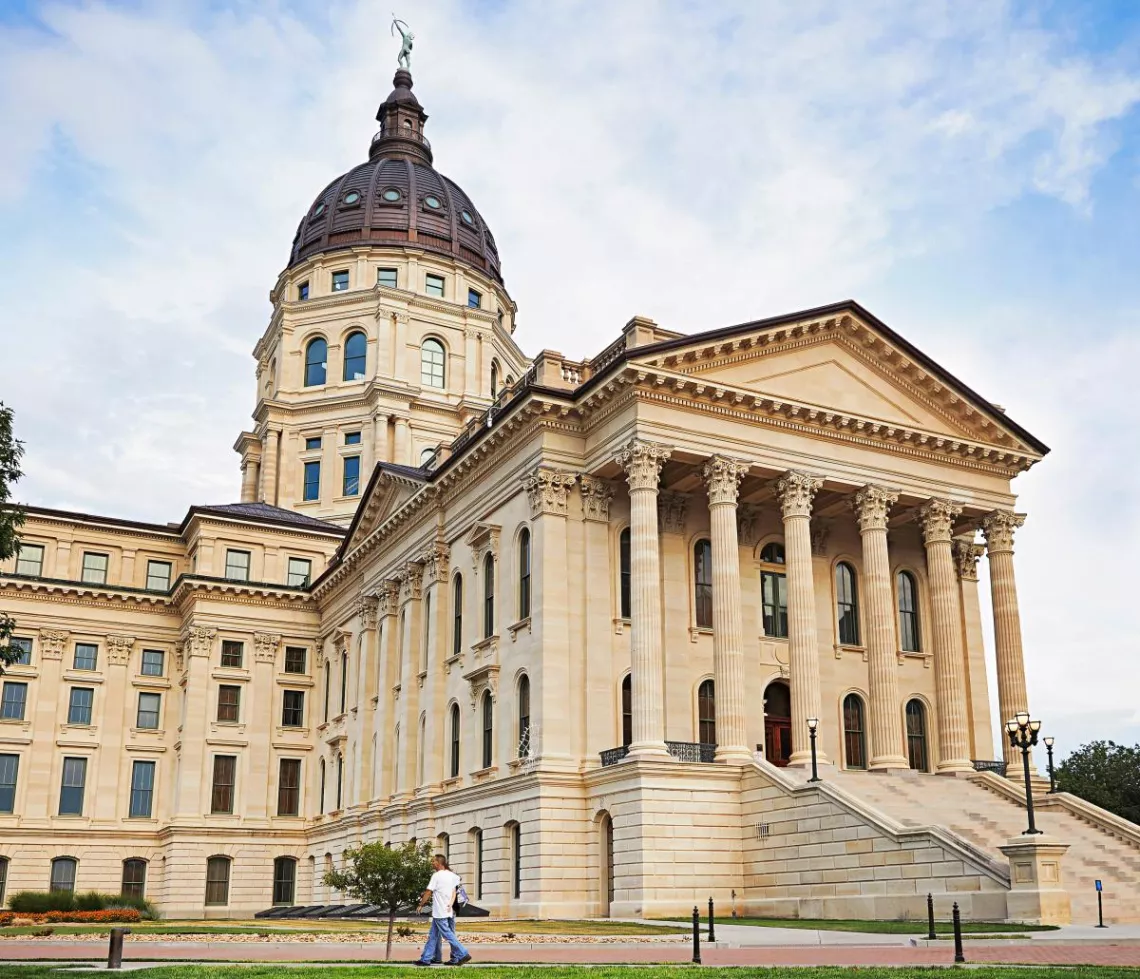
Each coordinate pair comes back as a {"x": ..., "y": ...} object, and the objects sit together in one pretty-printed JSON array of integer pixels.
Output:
[{"x": 442, "y": 885}]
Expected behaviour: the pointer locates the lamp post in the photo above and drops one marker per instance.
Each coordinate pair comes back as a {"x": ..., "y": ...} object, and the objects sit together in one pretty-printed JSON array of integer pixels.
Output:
[
  {"x": 1023, "y": 735},
  {"x": 813, "y": 723},
  {"x": 1052, "y": 777}
]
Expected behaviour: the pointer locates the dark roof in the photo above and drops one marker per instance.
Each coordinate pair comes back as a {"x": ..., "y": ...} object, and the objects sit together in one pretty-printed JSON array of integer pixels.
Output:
[
  {"x": 265, "y": 513},
  {"x": 159, "y": 528}
]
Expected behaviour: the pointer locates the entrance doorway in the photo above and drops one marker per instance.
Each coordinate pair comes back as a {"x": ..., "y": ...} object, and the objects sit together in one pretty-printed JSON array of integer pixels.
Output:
[{"x": 778, "y": 723}]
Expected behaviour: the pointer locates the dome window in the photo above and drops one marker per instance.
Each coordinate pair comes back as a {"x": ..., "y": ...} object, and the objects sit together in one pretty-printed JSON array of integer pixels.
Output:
[
  {"x": 467, "y": 218},
  {"x": 391, "y": 195},
  {"x": 352, "y": 197},
  {"x": 319, "y": 209},
  {"x": 433, "y": 202}
]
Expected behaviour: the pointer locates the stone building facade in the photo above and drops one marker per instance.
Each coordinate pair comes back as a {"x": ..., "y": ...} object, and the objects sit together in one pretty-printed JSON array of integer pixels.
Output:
[{"x": 568, "y": 619}]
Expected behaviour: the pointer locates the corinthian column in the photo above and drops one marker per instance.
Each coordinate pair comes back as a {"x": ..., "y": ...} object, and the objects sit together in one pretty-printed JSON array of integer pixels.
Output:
[
  {"x": 871, "y": 505},
  {"x": 642, "y": 462},
  {"x": 998, "y": 528},
  {"x": 795, "y": 491},
  {"x": 722, "y": 477},
  {"x": 937, "y": 518}
]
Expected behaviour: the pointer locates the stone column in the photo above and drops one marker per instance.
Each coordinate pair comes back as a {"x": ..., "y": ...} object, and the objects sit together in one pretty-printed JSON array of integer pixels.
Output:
[
  {"x": 411, "y": 602},
  {"x": 966, "y": 554},
  {"x": 795, "y": 492},
  {"x": 722, "y": 477},
  {"x": 436, "y": 563},
  {"x": 871, "y": 505},
  {"x": 387, "y": 708},
  {"x": 642, "y": 462},
  {"x": 194, "y": 772},
  {"x": 366, "y": 693},
  {"x": 269, "y": 467},
  {"x": 263, "y": 715},
  {"x": 46, "y": 694},
  {"x": 113, "y": 725},
  {"x": 470, "y": 363},
  {"x": 600, "y": 605},
  {"x": 250, "y": 471},
  {"x": 380, "y": 439},
  {"x": 937, "y": 520},
  {"x": 998, "y": 528},
  {"x": 402, "y": 449}
]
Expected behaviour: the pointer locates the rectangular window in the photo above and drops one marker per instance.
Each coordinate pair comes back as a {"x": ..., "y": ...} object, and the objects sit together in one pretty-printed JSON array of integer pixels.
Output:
[
  {"x": 774, "y": 595},
  {"x": 9, "y": 769},
  {"x": 150, "y": 706},
  {"x": 222, "y": 793},
  {"x": 303, "y": 291},
  {"x": 86, "y": 656},
  {"x": 312, "y": 443},
  {"x": 23, "y": 649},
  {"x": 300, "y": 570},
  {"x": 295, "y": 659},
  {"x": 293, "y": 709},
  {"x": 14, "y": 701},
  {"x": 312, "y": 490},
  {"x": 62, "y": 874},
  {"x": 79, "y": 705},
  {"x": 218, "y": 881},
  {"x": 158, "y": 575},
  {"x": 134, "y": 878},
  {"x": 153, "y": 662},
  {"x": 142, "y": 789},
  {"x": 352, "y": 438},
  {"x": 94, "y": 568},
  {"x": 71, "y": 786},
  {"x": 351, "y": 475},
  {"x": 340, "y": 281},
  {"x": 229, "y": 704},
  {"x": 386, "y": 278},
  {"x": 237, "y": 565},
  {"x": 434, "y": 285},
  {"x": 30, "y": 560},
  {"x": 289, "y": 787},
  {"x": 474, "y": 298},
  {"x": 232, "y": 653}
]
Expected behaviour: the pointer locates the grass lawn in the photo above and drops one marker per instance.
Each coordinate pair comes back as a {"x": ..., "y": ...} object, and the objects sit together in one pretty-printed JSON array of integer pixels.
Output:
[{"x": 881, "y": 927}]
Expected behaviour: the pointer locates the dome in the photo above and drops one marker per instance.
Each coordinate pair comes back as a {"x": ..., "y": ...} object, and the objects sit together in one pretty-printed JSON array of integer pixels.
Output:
[{"x": 397, "y": 197}]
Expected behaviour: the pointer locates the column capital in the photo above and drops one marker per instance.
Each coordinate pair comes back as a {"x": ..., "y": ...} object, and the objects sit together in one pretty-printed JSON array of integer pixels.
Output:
[
  {"x": 265, "y": 646},
  {"x": 998, "y": 528},
  {"x": 368, "y": 608},
  {"x": 872, "y": 504},
  {"x": 435, "y": 562},
  {"x": 966, "y": 554},
  {"x": 198, "y": 640},
  {"x": 722, "y": 476},
  {"x": 596, "y": 497},
  {"x": 795, "y": 491},
  {"x": 642, "y": 462},
  {"x": 411, "y": 579},
  {"x": 548, "y": 490},
  {"x": 119, "y": 648},
  {"x": 52, "y": 642},
  {"x": 388, "y": 597},
  {"x": 937, "y": 520}
]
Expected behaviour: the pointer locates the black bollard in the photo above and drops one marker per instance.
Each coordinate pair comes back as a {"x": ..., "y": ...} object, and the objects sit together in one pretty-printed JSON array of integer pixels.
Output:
[
  {"x": 959, "y": 955},
  {"x": 696, "y": 936},
  {"x": 930, "y": 917},
  {"x": 115, "y": 951},
  {"x": 1100, "y": 905},
  {"x": 712, "y": 922}
]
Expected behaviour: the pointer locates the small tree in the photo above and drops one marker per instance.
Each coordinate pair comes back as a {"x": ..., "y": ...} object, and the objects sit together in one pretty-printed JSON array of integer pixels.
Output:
[
  {"x": 389, "y": 876},
  {"x": 1106, "y": 774},
  {"x": 11, "y": 518}
]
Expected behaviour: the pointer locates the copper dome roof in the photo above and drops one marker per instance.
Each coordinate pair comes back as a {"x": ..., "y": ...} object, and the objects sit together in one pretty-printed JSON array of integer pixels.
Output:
[{"x": 397, "y": 197}]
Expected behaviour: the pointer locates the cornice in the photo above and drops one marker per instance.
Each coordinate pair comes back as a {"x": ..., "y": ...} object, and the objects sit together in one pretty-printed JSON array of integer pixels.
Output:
[
  {"x": 239, "y": 592},
  {"x": 80, "y": 593}
]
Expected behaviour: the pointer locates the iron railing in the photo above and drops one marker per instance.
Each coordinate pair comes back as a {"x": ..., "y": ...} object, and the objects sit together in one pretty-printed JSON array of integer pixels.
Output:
[
  {"x": 611, "y": 756},
  {"x": 997, "y": 767},
  {"x": 692, "y": 751},
  {"x": 405, "y": 133}
]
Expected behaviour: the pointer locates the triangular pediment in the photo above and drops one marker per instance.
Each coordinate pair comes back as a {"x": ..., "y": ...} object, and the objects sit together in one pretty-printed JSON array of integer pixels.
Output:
[{"x": 387, "y": 491}]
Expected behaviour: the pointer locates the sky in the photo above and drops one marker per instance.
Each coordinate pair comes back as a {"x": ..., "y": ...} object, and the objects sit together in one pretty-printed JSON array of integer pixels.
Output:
[{"x": 969, "y": 171}]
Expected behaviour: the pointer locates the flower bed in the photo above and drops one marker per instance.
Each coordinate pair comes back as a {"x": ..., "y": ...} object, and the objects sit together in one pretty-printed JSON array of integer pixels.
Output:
[{"x": 109, "y": 916}]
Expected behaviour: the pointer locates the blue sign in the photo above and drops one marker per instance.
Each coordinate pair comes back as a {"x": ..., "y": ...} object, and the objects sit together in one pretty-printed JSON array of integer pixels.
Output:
[{"x": 1098, "y": 886}]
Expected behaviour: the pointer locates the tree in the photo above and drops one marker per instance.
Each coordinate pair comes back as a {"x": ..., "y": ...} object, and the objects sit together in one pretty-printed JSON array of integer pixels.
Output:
[
  {"x": 1106, "y": 774},
  {"x": 392, "y": 877},
  {"x": 11, "y": 519}
]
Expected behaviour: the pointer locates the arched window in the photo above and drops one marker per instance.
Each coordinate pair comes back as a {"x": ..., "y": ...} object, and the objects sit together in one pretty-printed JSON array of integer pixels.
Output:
[
  {"x": 916, "y": 736},
  {"x": 774, "y": 590},
  {"x": 488, "y": 596},
  {"x": 627, "y": 711},
  {"x": 339, "y": 781},
  {"x": 63, "y": 873},
  {"x": 443, "y": 845},
  {"x": 355, "y": 356},
  {"x": 524, "y": 574},
  {"x": 426, "y": 457},
  {"x": 328, "y": 684},
  {"x": 524, "y": 716},
  {"x": 702, "y": 583},
  {"x": 488, "y": 729},
  {"x": 457, "y": 615},
  {"x": 321, "y": 793},
  {"x": 420, "y": 750},
  {"x": 847, "y": 604},
  {"x": 343, "y": 683},
  {"x": 494, "y": 378},
  {"x": 477, "y": 860},
  {"x": 218, "y": 881},
  {"x": 854, "y": 731},
  {"x": 453, "y": 766},
  {"x": 284, "y": 881},
  {"x": 516, "y": 860},
  {"x": 427, "y": 634},
  {"x": 316, "y": 362},
  {"x": 431, "y": 364},
  {"x": 625, "y": 571},
  {"x": 134, "y": 878},
  {"x": 706, "y": 713},
  {"x": 909, "y": 637},
  {"x": 396, "y": 759},
  {"x": 3, "y": 879}
]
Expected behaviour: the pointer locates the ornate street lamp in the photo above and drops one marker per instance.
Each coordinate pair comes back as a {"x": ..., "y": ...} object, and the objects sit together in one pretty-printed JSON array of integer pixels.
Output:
[
  {"x": 1023, "y": 735},
  {"x": 1052, "y": 777},
  {"x": 813, "y": 723}
]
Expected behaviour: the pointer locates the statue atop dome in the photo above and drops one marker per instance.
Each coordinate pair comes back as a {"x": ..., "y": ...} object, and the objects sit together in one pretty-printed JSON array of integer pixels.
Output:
[{"x": 404, "y": 59}]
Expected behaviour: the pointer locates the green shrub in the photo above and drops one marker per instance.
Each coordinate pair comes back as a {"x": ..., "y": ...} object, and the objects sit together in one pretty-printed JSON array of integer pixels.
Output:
[
  {"x": 140, "y": 904},
  {"x": 90, "y": 901},
  {"x": 39, "y": 902}
]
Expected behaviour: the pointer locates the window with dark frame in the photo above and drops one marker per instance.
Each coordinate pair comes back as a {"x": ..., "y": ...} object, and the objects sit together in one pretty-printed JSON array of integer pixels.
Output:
[
  {"x": 94, "y": 568},
  {"x": 86, "y": 656},
  {"x": 488, "y": 729},
  {"x": 339, "y": 782},
  {"x": 133, "y": 883},
  {"x": 233, "y": 653},
  {"x": 352, "y": 438},
  {"x": 340, "y": 280},
  {"x": 316, "y": 362},
  {"x": 289, "y": 787},
  {"x": 909, "y": 638},
  {"x": 73, "y": 784},
  {"x": 13, "y": 701},
  {"x": 516, "y": 860},
  {"x": 854, "y": 734},
  {"x": 457, "y": 615},
  {"x": 9, "y": 772},
  {"x": 478, "y": 834},
  {"x": 237, "y": 565},
  {"x": 150, "y": 706},
  {"x": 351, "y": 482},
  {"x": 627, "y": 711},
  {"x": 432, "y": 364},
  {"x": 625, "y": 591},
  {"x": 3, "y": 879},
  {"x": 355, "y": 356},
  {"x": 153, "y": 662},
  {"x": 30, "y": 560},
  {"x": 917, "y": 756},
  {"x": 299, "y": 571},
  {"x": 328, "y": 686},
  {"x": 218, "y": 881},
  {"x": 23, "y": 647},
  {"x": 142, "y": 789},
  {"x": 488, "y": 596},
  {"x": 847, "y": 604},
  {"x": 434, "y": 285},
  {"x": 706, "y": 713},
  {"x": 702, "y": 583},
  {"x": 229, "y": 704},
  {"x": 524, "y": 574},
  {"x": 63, "y": 874},
  {"x": 312, "y": 486},
  {"x": 222, "y": 784},
  {"x": 284, "y": 881},
  {"x": 774, "y": 590},
  {"x": 343, "y": 682},
  {"x": 293, "y": 708},
  {"x": 524, "y": 716},
  {"x": 295, "y": 657},
  {"x": 453, "y": 766},
  {"x": 158, "y": 575},
  {"x": 386, "y": 278},
  {"x": 313, "y": 443},
  {"x": 303, "y": 291},
  {"x": 474, "y": 299},
  {"x": 321, "y": 789}
]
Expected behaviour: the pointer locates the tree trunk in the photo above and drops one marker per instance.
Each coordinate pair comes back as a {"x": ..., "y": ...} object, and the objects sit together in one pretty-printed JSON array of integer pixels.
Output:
[{"x": 391, "y": 925}]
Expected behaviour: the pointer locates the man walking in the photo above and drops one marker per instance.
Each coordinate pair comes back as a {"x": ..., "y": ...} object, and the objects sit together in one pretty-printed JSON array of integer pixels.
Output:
[{"x": 441, "y": 891}]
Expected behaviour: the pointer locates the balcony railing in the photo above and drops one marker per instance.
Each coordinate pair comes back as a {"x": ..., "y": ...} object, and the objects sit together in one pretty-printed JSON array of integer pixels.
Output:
[
  {"x": 611, "y": 756},
  {"x": 406, "y": 133},
  {"x": 681, "y": 750},
  {"x": 997, "y": 767}
]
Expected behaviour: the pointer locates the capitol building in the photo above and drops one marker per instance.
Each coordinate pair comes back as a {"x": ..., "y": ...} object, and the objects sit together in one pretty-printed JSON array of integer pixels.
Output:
[{"x": 572, "y": 621}]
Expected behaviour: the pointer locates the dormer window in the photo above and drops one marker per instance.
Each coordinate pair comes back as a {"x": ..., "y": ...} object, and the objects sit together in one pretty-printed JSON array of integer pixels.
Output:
[
  {"x": 433, "y": 202},
  {"x": 340, "y": 281},
  {"x": 391, "y": 195},
  {"x": 467, "y": 219},
  {"x": 352, "y": 198},
  {"x": 319, "y": 209}
]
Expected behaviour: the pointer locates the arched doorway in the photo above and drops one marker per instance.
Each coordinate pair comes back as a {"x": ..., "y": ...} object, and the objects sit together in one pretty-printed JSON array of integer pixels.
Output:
[
  {"x": 606, "y": 851},
  {"x": 778, "y": 723},
  {"x": 916, "y": 750}
]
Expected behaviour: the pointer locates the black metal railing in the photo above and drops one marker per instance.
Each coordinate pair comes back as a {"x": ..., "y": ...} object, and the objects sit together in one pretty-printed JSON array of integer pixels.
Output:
[
  {"x": 611, "y": 756},
  {"x": 997, "y": 767},
  {"x": 405, "y": 133},
  {"x": 692, "y": 751}
]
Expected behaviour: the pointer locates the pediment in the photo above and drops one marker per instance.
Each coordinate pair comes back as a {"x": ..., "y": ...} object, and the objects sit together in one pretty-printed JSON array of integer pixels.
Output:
[{"x": 387, "y": 491}]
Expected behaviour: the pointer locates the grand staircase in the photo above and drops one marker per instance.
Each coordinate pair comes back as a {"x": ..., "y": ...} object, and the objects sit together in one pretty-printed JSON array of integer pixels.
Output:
[{"x": 987, "y": 810}]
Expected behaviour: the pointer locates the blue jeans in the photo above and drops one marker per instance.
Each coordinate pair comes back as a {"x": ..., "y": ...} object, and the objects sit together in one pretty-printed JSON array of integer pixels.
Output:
[{"x": 442, "y": 929}]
